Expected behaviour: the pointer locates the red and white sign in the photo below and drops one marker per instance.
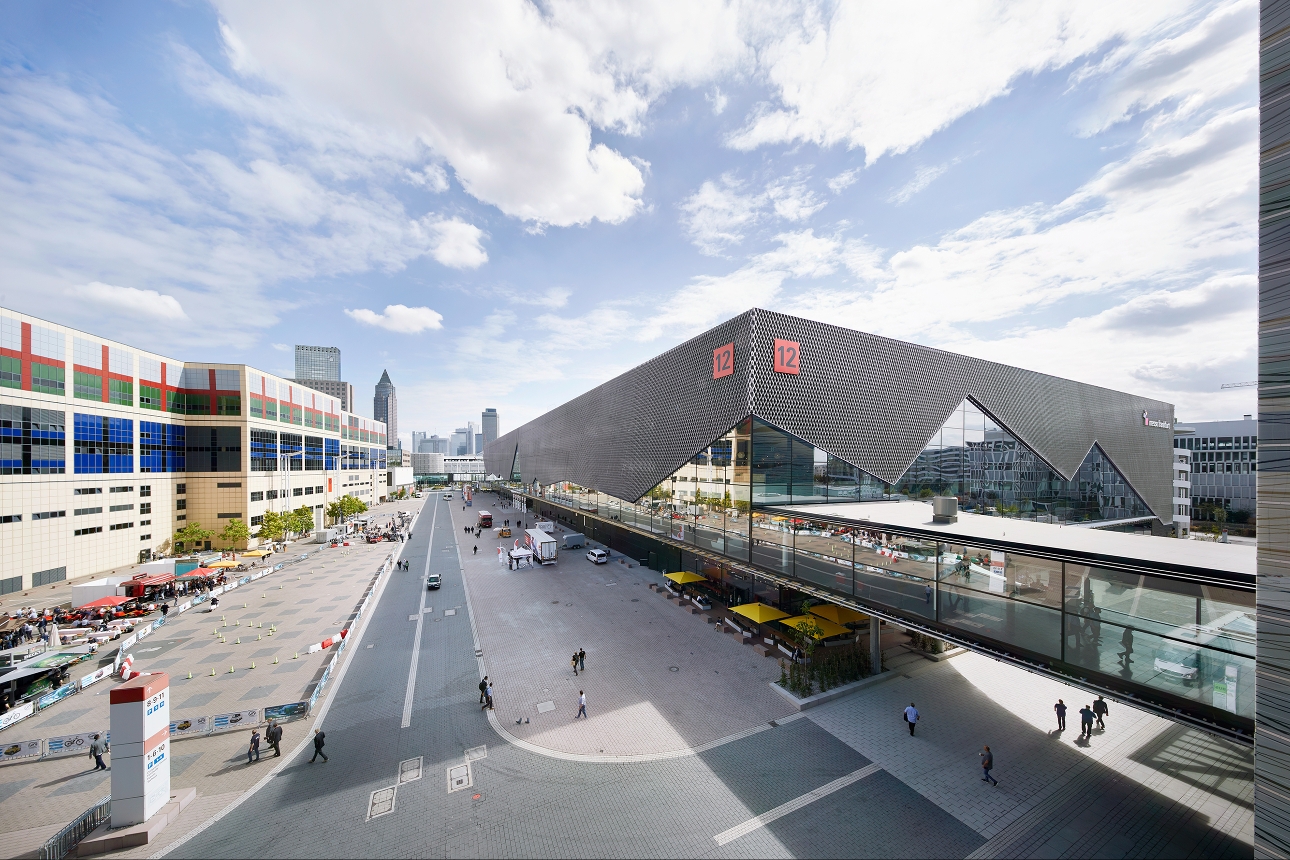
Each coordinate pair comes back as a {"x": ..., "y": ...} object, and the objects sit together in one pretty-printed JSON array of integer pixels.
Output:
[
  {"x": 788, "y": 356},
  {"x": 139, "y": 714},
  {"x": 723, "y": 361}
]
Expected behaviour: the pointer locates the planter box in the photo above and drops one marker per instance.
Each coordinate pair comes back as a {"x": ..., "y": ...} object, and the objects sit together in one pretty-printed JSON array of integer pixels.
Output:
[{"x": 835, "y": 693}]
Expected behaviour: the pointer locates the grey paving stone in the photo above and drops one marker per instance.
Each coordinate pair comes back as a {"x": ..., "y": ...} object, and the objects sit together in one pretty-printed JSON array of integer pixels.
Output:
[
  {"x": 90, "y": 780},
  {"x": 259, "y": 692},
  {"x": 62, "y": 718},
  {"x": 9, "y": 789},
  {"x": 197, "y": 701}
]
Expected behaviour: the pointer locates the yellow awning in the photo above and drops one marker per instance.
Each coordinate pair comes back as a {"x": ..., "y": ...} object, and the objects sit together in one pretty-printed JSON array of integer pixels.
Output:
[
  {"x": 256, "y": 553},
  {"x": 759, "y": 612},
  {"x": 222, "y": 564},
  {"x": 837, "y": 614},
  {"x": 826, "y": 627},
  {"x": 684, "y": 576}
]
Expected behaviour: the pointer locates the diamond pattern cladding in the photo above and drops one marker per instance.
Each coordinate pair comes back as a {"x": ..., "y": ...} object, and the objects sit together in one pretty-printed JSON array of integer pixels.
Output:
[{"x": 869, "y": 400}]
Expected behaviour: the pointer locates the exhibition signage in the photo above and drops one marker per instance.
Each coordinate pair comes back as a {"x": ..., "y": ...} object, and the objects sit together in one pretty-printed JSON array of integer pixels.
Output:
[
  {"x": 140, "y": 721},
  {"x": 77, "y": 744},
  {"x": 13, "y": 715},
  {"x": 788, "y": 354},
  {"x": 19, "y": 750},
  {"x": 190, "y": 726}
]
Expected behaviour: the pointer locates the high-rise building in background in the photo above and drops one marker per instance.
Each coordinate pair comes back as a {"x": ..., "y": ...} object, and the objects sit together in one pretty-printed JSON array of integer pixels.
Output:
[
  {"x": 479, "y": 444},
  {"x": 435, "y": 444},
  {"x": 458, "y": 446},
  {"x": 385, "y": 407},
  {"x": 318, "y": 362},
  {"x": 318, "y": 367},
  {"x": 489, "y": 424},
  {"x": 417, "y": 438},
  {"x": 471, "y": 430}
]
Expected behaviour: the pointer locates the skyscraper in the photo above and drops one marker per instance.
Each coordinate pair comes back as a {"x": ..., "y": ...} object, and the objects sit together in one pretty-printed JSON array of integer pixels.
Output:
[
  {"x": 318, "y": 362},
  {"x": 318, "y": 367},
  {"x": 489, "y": 422},
  {"x": 458, "y": 444},
  {"x": 418, "y": 437},
  {"x": 471, "y": 431},
  {"x": 385, "y": 407}
]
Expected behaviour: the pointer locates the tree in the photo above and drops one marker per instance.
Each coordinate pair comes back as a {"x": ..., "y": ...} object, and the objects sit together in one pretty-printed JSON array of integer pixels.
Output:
[
  {"x": 191, "y": 533},
  {"x": 271, "y": 526},
  {"x": 351, "y": 506},
  {"x": 300, "y": 521},
  {"x": 235, "y": 533},
  {"x": 336, "y": 511}
]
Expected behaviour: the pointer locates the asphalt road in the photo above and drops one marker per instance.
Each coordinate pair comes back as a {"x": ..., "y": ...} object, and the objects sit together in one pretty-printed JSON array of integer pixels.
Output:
[{"x": 523, "y": 804}]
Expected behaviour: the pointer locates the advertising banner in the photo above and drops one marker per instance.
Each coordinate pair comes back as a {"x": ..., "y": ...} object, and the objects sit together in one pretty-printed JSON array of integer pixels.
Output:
[
  {"x": 19, "y": 750},
  {"x": 8, "y": 718},
  {"x": 291, "y": 711},
  {"x": 95, "y": 677},
  {"x": 184, "y": 607},
  {"x": 235, "y": 720},
  {"x": 190, "y": 726},
  {"x": 231, "y": 585},
  {"x": 51, "y": 661},
  {"x": 144, "y": 632},
  {"x": 74, "y": 744},
  {"x": 128, "y": 642},
  {"x": 55, "y": 696}
]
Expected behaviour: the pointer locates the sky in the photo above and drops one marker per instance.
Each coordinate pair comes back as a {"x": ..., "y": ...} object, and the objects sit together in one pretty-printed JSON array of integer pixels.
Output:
[{"x": 505, "y": 204}]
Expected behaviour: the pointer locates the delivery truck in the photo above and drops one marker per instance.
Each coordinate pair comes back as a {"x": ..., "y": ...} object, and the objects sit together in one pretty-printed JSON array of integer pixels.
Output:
[{"x": 542, "y": 545}]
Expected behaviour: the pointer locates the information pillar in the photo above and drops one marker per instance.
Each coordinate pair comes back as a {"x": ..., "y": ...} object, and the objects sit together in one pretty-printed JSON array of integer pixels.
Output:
[{"x": 140, "y": 724}]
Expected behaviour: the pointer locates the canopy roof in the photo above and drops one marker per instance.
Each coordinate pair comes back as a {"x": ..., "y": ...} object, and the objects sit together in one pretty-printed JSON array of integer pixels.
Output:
[
  {"x": 759, "y": 612},
  {"x": 684, "y": 576},
  {"x": 837, "y": 614},
  {"x": 105, "y": 601},
  {"x": 826, "y": 627},
  {"x": 256, "y": 553}
]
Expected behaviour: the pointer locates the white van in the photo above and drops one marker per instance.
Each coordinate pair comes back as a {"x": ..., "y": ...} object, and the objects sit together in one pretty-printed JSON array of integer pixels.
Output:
[
  {"x": 433, "y": 582},
  {"x": 597, "y": 556}
]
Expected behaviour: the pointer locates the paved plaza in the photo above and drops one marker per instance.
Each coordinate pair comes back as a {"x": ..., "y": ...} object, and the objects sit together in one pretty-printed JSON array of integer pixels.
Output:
[
  {"x": 306, "y": 602},
  {"x": 703, "y": 761}
]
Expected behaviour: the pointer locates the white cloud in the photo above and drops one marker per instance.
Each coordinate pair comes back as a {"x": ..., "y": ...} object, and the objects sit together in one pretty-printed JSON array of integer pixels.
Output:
[
  {"x": 923, "y": 177},
  {"x": 792, "y": 199},
  {"x": 399, "y": 318},
  {"x": 885, "y": 77},
  {"x": 133, "y": 302},
  {"x": 718, "y": 100},
  {"x": 844, "y": 180},
  {"x": 507, "y": 93},
  {"x": 456, "y": 244},
  {"x": 432, "y": 177},
  {"x": 717, "y": 214}
]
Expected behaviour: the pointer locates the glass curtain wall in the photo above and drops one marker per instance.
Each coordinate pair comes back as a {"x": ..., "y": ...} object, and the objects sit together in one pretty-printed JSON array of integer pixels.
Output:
[{"x": 991, "y": 472}]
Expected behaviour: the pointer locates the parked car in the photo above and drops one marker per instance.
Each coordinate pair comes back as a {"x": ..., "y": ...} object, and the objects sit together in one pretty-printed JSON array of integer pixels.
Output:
[
  {"x": 432, "y": 582},
  {"x": 597, "y": 556}
]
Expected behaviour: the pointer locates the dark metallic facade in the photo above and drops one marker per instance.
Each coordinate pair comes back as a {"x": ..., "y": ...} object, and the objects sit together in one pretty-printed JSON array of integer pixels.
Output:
[
  {"x": 1272, "y": 716},
  {"x": 871, "y": 401}
]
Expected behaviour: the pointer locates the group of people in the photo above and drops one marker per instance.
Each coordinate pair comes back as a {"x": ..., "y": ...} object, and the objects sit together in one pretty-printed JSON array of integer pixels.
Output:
[
  {"x": 1088, "y": 715},
  {"x": 273, "y": 735},
  {"x": 579, "y": 661}
]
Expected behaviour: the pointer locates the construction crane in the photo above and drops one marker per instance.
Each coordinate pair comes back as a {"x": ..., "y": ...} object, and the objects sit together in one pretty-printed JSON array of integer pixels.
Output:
[{"x": 1227, "y": 385}]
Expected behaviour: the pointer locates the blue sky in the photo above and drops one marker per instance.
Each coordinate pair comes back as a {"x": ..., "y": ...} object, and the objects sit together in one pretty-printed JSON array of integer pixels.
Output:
[{"x": 505, "y": 204}]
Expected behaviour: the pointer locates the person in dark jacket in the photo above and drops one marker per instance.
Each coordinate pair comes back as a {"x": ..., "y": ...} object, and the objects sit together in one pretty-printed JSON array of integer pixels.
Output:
[
  {"x": 319, "y": 738},
  {"x": 987, "y": 763},
  {"x": 1100, "y": 710},
  {"x": 274, "y": 737}
]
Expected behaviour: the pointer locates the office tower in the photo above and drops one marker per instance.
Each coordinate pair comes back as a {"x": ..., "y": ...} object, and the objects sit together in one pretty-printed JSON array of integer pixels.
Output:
[
  {"x": 385, "y": 407},
  {"x": 457, "y": 444},
  {"x": 417, "y": 438},
  {"x": 470, "y": 438},
  {"x": 318, "y": 362},
  {"x": 479, "y": 444},
  {"x": 436, "y": 444},
  {"x": 489, "y": 423}
]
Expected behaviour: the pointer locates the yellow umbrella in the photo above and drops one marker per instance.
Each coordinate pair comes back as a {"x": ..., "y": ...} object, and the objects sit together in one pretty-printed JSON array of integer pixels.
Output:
[
  {"x": 837, "y": 614},
  {"x": 683, "y": 577},
  {"x": 256, "y": 553},
  {"x": 826, "y": 627},
  {"x": 759, "y": 612},
  {"x": 223, "y": 564}
]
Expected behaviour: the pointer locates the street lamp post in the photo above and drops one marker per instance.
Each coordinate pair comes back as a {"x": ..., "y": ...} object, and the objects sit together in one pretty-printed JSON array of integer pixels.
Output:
[{"x": 284, "y": 462}]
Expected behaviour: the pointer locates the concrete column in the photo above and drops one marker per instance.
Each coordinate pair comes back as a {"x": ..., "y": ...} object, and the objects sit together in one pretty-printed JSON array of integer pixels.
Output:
[{"x": 875, "y": 645}]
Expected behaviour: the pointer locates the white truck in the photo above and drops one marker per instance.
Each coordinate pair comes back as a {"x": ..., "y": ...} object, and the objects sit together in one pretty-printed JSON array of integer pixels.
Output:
[{"x": 542, "y": 545}]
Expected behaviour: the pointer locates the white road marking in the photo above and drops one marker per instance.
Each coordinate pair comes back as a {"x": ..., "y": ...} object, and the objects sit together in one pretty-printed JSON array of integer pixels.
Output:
[
  {"x": 416, "y": 641},
  {"x": 728, "y": 836}
]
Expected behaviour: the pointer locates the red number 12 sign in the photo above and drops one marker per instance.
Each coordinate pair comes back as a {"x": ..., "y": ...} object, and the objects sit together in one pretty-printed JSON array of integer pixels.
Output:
[
  {"x": 723, "y": 361},
  {"x": 788, "y": 354}
]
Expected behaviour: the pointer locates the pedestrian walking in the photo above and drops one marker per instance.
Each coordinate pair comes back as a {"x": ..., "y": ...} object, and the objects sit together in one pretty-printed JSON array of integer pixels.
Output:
[
  {"x": 320, "y": 738},
  {"x": 254, "y": 748},
  {"x": 274, "y": 737},
  {"x": 911, "y": 717},
  {"x": 582, "y": 705},
  {"x": 483, "y": 688},
  {"x": 582, "y": 660},
  {"x": 1126, "y": 646},
  {"x": 987, "y": 763},
  {"x": 1086, "y": 722},
  {"x": 1100, "y": 710},
  {"x": 488, "y": 694},
  {"x": 574, "y": 663},
  {"x": 97, "y": 748},
  {"x": 1060, "y": 708},
  {"x": 476, "y": 552}
]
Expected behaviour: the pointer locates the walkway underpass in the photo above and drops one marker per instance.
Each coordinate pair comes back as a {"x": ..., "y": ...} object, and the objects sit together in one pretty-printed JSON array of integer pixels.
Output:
[{"x": 1056, "y": 609}]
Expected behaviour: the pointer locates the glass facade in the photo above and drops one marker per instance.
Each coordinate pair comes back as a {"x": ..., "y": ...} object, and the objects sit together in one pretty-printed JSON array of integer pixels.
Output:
[
  {"x": 264, "y": 451},
  {"x": 1178, "y": 637},
  {"x": 162, "y": 447},
  {"x": 290, "y": 446},
  {"x": 313, "y": 453},
  {"x": 32, "y": 441},
  {"x": 214, "y": 449},
  {"x": 102, "y": 445}
]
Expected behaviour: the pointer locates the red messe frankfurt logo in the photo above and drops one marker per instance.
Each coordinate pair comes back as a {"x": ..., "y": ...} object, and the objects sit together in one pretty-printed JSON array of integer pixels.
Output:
[{"x": 1148, "y": 421}]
